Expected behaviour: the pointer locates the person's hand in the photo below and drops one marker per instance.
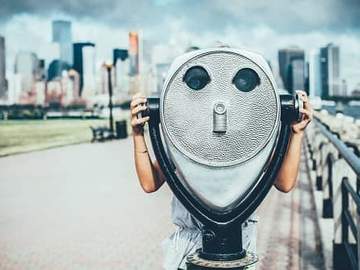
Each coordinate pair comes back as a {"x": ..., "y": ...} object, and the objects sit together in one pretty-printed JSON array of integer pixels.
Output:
[
  {"x": 307, "y": 111},
  {"x": 138, "y": 104}
]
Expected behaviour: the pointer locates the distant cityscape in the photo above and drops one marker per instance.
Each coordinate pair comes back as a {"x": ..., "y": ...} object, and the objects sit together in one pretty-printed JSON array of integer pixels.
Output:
[
  {"x": 73, "y": 79},
  {"x": 319, "y": 76}
]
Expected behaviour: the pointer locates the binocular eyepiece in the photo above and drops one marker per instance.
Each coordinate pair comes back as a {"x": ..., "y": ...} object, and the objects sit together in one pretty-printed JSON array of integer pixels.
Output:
[{"x": 291, "y": 106}]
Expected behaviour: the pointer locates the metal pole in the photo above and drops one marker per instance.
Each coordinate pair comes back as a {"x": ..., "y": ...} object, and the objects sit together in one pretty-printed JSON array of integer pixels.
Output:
[
  {"x": 111, "y": 124},
  {"x": 345, "y": 207}
]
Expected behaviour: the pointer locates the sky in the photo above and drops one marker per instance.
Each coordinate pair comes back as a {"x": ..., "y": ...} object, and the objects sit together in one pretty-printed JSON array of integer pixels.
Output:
[{"x": 173, "y": 25}]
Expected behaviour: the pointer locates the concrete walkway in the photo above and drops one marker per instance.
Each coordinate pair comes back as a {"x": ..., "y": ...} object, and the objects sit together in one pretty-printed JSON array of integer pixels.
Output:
[{"x": 80, "y": 207}]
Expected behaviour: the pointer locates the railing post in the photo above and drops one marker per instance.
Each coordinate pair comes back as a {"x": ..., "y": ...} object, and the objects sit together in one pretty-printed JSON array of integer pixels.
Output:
[
  {"x": 328, "y": 186},
  {"x": 341, "y": 184},
  {"x": 345, "y": 207},
  {"x": 358, "y": 234},
  {"x": 340, "y": 258},
  {"x": 319, "y": 179},
  {"x": 337, "y": 177}
]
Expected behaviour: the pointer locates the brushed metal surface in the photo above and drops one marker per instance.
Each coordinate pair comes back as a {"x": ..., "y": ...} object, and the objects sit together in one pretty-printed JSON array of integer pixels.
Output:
[
  {"x": 187, "y": 115},
  {"x": 219, "y": 171}
]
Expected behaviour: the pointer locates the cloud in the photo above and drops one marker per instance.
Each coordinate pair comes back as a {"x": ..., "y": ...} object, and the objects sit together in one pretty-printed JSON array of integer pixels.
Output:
[{"x": 202, "y": 15}]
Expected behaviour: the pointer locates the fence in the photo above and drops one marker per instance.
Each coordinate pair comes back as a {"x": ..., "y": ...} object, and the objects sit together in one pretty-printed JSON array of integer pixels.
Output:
[{"x": 337, "y": 166}]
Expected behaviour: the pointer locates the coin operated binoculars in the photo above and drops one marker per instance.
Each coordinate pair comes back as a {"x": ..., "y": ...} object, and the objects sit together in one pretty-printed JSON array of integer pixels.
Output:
[{"x": 219, "y": 131}]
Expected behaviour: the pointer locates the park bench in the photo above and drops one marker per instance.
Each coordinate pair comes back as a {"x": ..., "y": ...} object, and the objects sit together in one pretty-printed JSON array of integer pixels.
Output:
[{"x": 101, "y": 134}]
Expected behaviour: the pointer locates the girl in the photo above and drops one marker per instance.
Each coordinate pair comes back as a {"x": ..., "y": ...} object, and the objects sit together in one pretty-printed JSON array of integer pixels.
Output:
[{"x": 187, "y": 237}]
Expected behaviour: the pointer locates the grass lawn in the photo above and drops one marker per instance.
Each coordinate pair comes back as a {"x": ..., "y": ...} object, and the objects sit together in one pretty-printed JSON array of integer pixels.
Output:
[{"x": 17, "y": 136}]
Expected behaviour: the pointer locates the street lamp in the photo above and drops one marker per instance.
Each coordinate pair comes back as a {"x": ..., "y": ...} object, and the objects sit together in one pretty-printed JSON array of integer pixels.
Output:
[{"x": 108, "y": 65}]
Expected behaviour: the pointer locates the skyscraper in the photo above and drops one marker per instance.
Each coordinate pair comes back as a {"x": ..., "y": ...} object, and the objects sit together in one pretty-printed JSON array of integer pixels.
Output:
[
  {"x": 343, "y": 88},
  {"x": 161, "y": 72},
  {"x": 89, "y": 71},
  {"x": 330, "y": 70},
  {"x": 290, "y": 58},
  {"x": 134, "y": 51},
  {"x": 314, "y": 74},
  {"x": 120, "y": 54},
  {"x": 40, "y": 70},
  {"x": 84, "y": 64},
  {"x": 3, "y": 82},
  {"x": 61, "y": 32},
  {"x": 56, "y": 68},
  {"x": 26, "y": 64},
  {"x": 121, "y": 68},
  {"x": 297, "y": 75}
]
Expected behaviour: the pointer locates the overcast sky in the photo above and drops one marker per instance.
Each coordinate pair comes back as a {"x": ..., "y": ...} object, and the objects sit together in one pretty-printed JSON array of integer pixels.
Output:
[{"x": 173, "y": 25}]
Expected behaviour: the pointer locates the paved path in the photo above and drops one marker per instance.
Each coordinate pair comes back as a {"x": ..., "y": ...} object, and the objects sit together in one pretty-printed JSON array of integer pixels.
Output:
[
  {"x": 288, "y": 236},
  {"x": 80, "y": 207}
]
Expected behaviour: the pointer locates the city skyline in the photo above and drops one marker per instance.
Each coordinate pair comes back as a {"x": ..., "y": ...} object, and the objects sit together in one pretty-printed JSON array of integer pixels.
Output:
[
  {"x": 294, "y": 71},
  {"x": 173, "y": 25}
]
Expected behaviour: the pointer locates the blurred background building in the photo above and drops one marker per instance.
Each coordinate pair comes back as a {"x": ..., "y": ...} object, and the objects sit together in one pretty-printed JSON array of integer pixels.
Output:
[
  {"x": 121, "y": 72},
  {"x": 134, "y": 53},
  {"x": 330, "y": 71},
  {"x": 3, "y": 81},
  {"x": 291, "y": 67},
  {"x": 61, "y": 34},
  {"x": 314, "y": 74},
  {"x": 26, "y": 68},
  {"x": 84, "y": 64},
  {"x": 161, "y": 72}
]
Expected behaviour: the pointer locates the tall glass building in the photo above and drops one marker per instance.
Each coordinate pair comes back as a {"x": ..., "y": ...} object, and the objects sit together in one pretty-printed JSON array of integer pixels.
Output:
[
  {"x": 26, "y": 64},
  {"x": 84, "y": 64},
  {"x": 330, "y": 70},
  {"x": 314, "y": 74},
  {"x": 61, "y": 33},
  {"x": 3, "y": 82},
  {"x": 289, "y": 59},
  {"x": 134, "y": 51},
  {"x": 297, "y": 75}
]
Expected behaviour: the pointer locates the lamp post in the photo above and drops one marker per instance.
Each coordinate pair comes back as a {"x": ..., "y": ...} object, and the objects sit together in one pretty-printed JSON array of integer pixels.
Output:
[{"x": 108, "y": 67}]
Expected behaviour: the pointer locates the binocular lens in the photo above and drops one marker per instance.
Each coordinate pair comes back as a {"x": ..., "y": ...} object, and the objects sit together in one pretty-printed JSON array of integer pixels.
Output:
[
  {"x": 246, "y": 80},
  {"x": 196, "y": 78}
]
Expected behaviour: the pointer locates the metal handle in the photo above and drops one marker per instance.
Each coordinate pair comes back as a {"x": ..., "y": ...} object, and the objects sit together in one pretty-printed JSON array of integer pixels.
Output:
[
  {"x": 142, "y": 114},
  {"x": 291, "y": 106}
]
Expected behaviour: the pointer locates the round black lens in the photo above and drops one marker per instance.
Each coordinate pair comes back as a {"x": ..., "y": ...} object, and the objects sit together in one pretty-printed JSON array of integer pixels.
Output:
[
  {"x": 246, "y": 80},
  {"x": 196, "y": 78}
]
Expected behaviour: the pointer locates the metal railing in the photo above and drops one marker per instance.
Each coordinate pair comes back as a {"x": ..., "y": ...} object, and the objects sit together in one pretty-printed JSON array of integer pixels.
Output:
[
  {"x": 337, "y": 166},
  {"x": 341, "y": 146},
  {"x": 347, "y": 222}
]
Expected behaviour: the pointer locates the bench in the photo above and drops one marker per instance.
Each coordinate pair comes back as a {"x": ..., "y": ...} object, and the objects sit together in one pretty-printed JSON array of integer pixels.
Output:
[{"x": 100, "y": 134}]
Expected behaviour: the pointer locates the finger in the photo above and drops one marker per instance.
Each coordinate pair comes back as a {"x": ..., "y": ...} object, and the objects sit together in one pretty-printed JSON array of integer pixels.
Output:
[
  {"x": 307, "y": 105},
  {"x": 301, "y": 125},
  {"x": 137, "y": 101},
  {"x": 138, "y": 109},
  {"x": 303, "y": 96},
  {"x": 140, "y": 121},
  {"x": 309, "y": 110},
  {"x": 306, "y": 112}
]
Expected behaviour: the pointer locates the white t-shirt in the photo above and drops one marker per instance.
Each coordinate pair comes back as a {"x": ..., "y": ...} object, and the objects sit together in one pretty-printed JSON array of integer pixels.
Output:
[{"x": 187, "y": 237}]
